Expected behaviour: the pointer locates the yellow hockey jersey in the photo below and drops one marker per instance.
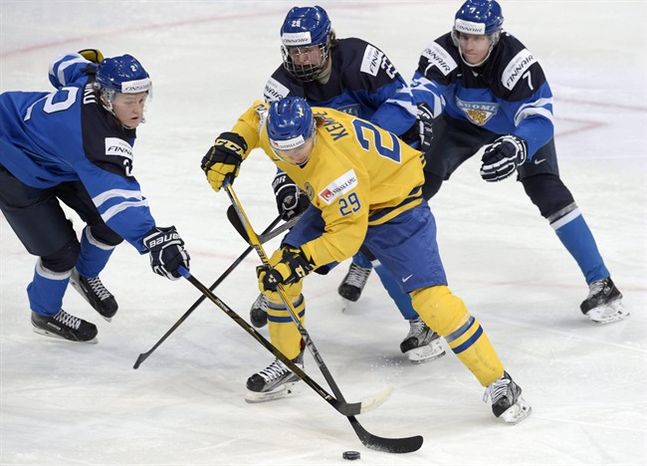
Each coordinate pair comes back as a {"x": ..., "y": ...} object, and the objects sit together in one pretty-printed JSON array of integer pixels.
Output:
[{"x": 358, "y": 175}]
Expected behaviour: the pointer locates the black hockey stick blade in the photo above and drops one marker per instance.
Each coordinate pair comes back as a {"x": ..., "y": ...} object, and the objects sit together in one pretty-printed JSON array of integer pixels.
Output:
[
  {"x": 264, "y": 237},
  {"x": 233, "y": 218},
  {"x": 388, "y": 445}
]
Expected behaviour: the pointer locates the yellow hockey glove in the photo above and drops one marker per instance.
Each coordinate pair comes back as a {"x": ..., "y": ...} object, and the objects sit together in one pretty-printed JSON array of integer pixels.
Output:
[
  {"x": 224, "y": 159},
  {"x": 93, "y": 55},
  {"x": 292, "y": 265}
]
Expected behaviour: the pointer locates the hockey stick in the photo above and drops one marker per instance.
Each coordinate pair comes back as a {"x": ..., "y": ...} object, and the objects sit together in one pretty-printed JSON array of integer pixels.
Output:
[
  {"x": 389, "y": 445},
  {"x": 267, "y": 235},
  {"x": 377, "y": 443}
]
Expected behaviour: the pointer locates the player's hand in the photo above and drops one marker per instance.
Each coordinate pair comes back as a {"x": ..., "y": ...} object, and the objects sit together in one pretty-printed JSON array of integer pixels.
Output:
[
  {"x": 166, "y": 251},
  {"x": 290, "y": 200},
  {"x": 288, "y": 265},
  {"x": 224, "y": 158},
  {"x": 93, "y": 55},
  {"x": 425, "y": 126},
  {"x": 502, "y": 157}
]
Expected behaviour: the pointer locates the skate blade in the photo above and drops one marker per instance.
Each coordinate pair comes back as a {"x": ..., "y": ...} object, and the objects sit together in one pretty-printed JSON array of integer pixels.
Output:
[
  {"x": 55, "y": 336},
  {"x": 347, "y": 305},
  {"x": 434, "y": 350},
  {"x": 516, "y": 413},
  {"x": 283, "y": 391},
  {"x": 608, "y": 313}
]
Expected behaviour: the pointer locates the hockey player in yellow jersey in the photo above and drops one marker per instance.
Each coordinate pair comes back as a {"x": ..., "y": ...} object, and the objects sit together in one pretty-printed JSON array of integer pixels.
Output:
[{"x": 364, "y": 185}]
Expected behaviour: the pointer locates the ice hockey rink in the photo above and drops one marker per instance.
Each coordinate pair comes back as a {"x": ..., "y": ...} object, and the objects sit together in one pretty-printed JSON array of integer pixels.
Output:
[{"x": 66, "y": 404}]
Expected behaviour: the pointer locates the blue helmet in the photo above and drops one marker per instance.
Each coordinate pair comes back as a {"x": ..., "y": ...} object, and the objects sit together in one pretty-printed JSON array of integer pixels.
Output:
[
  {"x": 123, "y": 74},
  {"x": 479, "y": 17},
  {"x": 306, "y": 27},
  {"x": 289, "y": 123}
]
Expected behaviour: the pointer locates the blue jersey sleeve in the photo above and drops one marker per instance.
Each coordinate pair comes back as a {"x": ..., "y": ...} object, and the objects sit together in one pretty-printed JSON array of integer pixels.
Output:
[
  {"x": 70, "y": 70},
  {"x": 396, "y": 111}
]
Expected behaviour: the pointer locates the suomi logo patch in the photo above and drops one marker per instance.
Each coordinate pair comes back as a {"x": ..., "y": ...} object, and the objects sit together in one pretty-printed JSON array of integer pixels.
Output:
[
  {"x": 479, "y": 113},
  {"x": 345, "y": 183}
]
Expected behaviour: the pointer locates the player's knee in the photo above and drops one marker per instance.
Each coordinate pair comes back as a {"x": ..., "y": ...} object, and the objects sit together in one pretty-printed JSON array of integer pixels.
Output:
[
  {"x": 63, "y": 259},
  {"x": 548, "y": 193},
  {"x": 104, "y": 234},
  {"x": 283, "y": 333},
  {"x": 431, "y": 186},
  {"x": 442, "y": 311}
]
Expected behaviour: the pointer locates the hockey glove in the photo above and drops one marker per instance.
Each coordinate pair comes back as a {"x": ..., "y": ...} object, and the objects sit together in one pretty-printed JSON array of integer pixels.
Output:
[
  {"x": 290, "y": 200},
  {"x": 224, "y": 159},
  {"x": 166, "y": 250},
  {"x": 425, "y": 126},
  {"x": 93, "y": 55},
  {"x": 288, "y": 266},
  {"x": 502, "y": 157}
]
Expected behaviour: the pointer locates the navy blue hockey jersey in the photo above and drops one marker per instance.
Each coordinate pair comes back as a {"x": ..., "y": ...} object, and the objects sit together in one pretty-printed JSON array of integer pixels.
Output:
[
  {"x": 508, "y": 94},
  {"x": 363, "y": 82},
  {"x": 67, "y": 135}
]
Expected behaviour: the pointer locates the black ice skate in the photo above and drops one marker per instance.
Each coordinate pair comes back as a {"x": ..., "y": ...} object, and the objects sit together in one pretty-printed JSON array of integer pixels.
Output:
[
  {"x": 274, "y": 382},
  {"x": 258, "y": 312},
  {"x": 507, "y": 403},
  {"x": 64, "y": 325},
  {"x": 96, "y": 294},
  {"x": 421, "y": 343},
  {"x": 604, "y": 302},
  {"x": 354, "y": 281}
]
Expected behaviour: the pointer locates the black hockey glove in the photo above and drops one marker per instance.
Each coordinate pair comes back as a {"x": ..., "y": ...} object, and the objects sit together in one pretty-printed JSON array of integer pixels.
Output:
[
  {"x": 224, "y": 158},
  {"x": 290, "y": 200},
  {"x": 166, "y": 250},
  {"x": 92, "y": 55},
  {"x": 425, "y": 126},
  {"x": 502, "y": 157},
  {"x": 292, "y": 265}
]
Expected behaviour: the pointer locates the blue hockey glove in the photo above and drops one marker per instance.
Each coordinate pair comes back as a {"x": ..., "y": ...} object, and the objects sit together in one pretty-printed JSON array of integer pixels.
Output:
[
  {"x": 502, "y": 157},
  {"x": 425, "y": 126},
  {"x": 290, "y": 200},
  {"x": 288, "y": 266},
  {"x": 224, "y": 158},
  {"x": 166, "y": 250},
  {"x": 93, "y": 55}
]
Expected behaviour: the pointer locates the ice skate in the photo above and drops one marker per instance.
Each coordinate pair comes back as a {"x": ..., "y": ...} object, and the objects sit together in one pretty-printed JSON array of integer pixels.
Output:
[
  {"x": 354, "y": 281},
  {"x": 95, "y": 293},
  {"x": 507, "y": 403},
  {"x": 604, "y": 302},
  {"x": 274, "y": 382},
  {"x": 258, "y": 311},
  {"x": 421, "y": 343},
  {"x": 65, "y": 326}
]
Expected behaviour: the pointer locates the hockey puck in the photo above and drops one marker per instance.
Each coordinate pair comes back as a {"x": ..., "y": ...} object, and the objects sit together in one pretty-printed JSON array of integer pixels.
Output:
[{"x": 351, "y": 455}]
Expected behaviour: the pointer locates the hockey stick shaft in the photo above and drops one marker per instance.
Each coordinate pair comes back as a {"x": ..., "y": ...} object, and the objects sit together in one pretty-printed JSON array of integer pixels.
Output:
[
  {"x": 256, "y": 244},
  {"x": 390, "y": 445},
  {"x": 265, "y": 236}
]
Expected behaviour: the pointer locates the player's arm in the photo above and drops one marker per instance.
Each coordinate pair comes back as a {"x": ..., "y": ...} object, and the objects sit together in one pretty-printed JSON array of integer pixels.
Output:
[
  {"x": 230, "y": 148},
  {"x": 72, "y": 69}
]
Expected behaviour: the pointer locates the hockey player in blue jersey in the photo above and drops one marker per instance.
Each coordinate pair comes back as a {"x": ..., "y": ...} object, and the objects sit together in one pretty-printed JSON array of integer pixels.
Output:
[
  {"x": 75, "y": 145},
  {"x": 485, "y": 89},
  {"x": 355, "y": 77}
]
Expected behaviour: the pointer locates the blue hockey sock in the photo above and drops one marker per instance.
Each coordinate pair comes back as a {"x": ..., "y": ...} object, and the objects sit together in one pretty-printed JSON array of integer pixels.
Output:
[
  {"x": 46, "y": 291},
  {"x": 361, "y": 260},
  {"x": 575, "y": 234},
  {"x": 94, "y": 255},
  {"x": 401, "y": 299}
]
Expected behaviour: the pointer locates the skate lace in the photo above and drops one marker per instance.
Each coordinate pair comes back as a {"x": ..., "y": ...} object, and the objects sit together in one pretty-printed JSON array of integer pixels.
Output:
[
  {"x": 597, "y": 287},
  {"x": 357, "y": 276},
  {"x": 273, "y": 371},
  {"x": 416, "y": 328},
  {"x": 67, "y": 319},
  {"x": 97, "y": 288},
  {"x": 496, "y": 390}
]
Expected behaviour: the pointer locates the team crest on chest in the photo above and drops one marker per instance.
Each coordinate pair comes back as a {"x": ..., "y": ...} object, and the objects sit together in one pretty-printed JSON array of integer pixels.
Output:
[
  {"x": 310, "y": 192},
  {"x": 479, "y": 113}
]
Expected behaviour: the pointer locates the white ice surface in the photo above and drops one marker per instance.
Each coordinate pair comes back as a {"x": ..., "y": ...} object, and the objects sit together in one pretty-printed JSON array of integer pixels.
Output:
[{"x": 64, "y": 403}]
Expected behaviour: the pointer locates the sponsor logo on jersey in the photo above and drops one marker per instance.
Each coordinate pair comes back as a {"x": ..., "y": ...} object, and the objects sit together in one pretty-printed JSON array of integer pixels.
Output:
[
  {"x": 516, "y": 68},
  {"x": 274, "y": 90},
  {"x": 440, "y": 58},
  {"x": 479, "y": 113},
  {"x": 293, "y": 39},
  {"x": 345, "y": 183},
  {"x": 134, "y": 87},
  {"x": 373, "y": 60},
  {"x": 118, "y": 148}
]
